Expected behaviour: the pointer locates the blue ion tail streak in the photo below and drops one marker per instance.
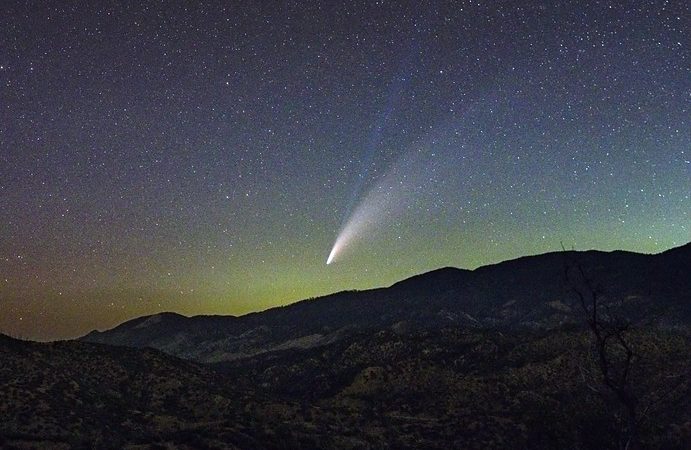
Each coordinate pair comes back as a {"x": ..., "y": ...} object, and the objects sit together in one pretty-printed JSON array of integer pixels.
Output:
[{"x": 373, "y": 206}]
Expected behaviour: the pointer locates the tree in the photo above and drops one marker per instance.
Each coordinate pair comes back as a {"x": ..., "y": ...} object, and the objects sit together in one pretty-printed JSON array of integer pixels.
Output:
[
  {"x": 614, "y": 352},
  {"x": 621, "y": 362}
]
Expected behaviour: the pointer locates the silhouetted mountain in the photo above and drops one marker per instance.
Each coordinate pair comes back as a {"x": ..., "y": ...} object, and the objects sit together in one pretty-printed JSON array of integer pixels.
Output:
[{"x": 526, "y": 293}]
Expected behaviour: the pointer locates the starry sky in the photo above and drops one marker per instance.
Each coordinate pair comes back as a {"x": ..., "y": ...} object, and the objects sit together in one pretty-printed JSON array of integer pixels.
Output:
[{"x": 203, "y": 157}]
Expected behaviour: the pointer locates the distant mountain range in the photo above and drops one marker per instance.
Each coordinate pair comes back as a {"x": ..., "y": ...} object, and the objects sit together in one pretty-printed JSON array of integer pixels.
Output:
[{"x": 529, "y": 293}]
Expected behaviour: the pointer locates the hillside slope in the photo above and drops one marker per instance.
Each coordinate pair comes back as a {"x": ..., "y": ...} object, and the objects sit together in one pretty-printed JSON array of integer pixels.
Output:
[
  {"x": 437, "y": 389},
  {"x": 81, "y": 395}
]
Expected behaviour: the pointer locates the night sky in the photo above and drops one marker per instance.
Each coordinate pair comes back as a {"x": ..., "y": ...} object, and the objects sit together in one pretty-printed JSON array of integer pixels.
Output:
[{"x": 205, "y": 157}]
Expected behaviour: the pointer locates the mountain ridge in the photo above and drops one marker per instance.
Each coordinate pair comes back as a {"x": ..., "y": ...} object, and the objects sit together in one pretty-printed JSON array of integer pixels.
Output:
[
  {"x": 526, "y": 292},
  {"x": 403, "y": 281}
]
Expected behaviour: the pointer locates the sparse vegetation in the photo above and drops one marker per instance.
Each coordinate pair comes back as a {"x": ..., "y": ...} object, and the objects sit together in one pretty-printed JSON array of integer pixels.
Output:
[{"x": 433, "y": 389}]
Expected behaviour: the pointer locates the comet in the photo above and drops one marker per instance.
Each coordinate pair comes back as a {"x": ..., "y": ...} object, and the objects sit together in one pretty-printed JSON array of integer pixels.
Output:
[
  {"x": 409, "y": 183},
  {"x": 379, "y": 203},
  {"x": 386, "y": 200},
  {"x": 332, "y": 255}
]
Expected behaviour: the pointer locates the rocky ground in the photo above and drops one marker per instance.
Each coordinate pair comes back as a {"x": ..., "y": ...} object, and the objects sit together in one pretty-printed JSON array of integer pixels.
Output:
[{"x": 390, "y": 389}]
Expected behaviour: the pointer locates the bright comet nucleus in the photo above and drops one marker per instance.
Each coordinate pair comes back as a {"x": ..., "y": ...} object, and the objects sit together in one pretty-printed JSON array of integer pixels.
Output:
[{"x": 331, "y": 256}]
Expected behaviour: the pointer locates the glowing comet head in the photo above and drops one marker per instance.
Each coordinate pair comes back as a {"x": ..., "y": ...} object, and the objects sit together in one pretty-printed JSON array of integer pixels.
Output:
[
  {"x": 335, "y": 250},
  {"x": 330, "y": 259}
]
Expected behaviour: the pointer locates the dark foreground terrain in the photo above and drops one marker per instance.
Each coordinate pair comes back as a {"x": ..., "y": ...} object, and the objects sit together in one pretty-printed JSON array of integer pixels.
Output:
[
  {"x": 432, "y": 389},
  {"x": 500, "y": 357}
]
